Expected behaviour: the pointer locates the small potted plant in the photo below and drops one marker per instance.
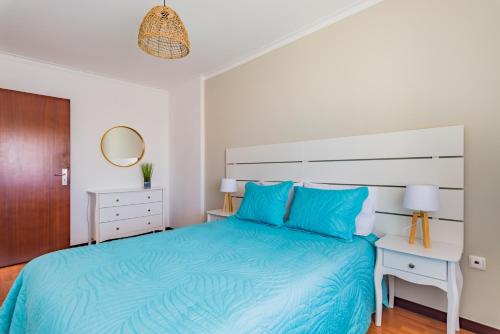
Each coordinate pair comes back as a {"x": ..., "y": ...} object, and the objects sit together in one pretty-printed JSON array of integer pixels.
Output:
[{"x": 147, "y": 172}]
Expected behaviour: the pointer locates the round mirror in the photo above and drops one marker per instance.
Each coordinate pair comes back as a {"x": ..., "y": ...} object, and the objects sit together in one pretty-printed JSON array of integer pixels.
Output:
[{"x": 122, "y": 146}]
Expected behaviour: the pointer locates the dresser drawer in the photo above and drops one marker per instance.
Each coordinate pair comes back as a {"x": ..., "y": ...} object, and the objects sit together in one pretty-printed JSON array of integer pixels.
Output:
[
  {"x": 119, "y": 228},
  {"x": 130, "y": 211},
  {"x": 416, "y": 264},
  {"x": 135, "y": 197}
]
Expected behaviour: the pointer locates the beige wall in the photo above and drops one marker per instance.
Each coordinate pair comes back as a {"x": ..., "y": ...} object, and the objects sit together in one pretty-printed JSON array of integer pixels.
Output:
[{"x": 402, "y": 64}]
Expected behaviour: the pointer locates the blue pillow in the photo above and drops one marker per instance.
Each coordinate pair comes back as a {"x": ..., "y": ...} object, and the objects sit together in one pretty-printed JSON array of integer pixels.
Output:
[
  {"x": 329, "y": 212},
  {"x": 265, "y": 204}
]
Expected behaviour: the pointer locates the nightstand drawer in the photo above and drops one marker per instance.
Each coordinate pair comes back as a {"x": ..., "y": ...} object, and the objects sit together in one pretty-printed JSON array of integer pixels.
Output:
[{"x": 416, "y": 264}]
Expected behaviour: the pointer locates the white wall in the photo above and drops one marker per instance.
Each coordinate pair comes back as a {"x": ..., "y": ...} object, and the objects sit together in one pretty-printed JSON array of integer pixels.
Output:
[
  {"x": 97, "y": 103},
  {"x": 187, "y": 153}
]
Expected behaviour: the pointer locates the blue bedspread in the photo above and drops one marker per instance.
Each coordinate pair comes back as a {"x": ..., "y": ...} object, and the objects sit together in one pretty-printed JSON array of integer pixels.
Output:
[{"x": 230, "y": 276}]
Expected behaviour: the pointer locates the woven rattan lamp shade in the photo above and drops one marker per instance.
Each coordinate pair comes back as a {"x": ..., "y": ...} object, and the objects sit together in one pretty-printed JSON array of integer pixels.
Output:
[{"x": 162, "y": 34}]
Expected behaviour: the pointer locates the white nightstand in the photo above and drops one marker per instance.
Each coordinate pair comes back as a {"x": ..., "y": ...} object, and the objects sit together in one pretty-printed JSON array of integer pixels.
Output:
[
  {"x": 437, "y": 266},
  {"x": 215, "y": 215}
]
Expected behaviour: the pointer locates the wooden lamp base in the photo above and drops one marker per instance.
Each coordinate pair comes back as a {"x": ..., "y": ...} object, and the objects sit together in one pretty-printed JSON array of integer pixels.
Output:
[
  {"x": 425, "y": 228},
  {"x": 228, "y": 203}
]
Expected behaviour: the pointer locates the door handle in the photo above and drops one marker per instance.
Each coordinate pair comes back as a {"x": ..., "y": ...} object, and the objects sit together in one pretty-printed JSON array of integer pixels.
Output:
[{"x": 64, "y": 176}]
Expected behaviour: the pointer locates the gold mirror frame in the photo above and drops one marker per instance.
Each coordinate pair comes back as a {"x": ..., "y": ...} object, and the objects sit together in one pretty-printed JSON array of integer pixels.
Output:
[{"x": 131, "y": 129}]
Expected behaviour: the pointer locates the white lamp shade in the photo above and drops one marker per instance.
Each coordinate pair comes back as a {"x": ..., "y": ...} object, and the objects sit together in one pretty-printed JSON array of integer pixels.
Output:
[
  {"x": 228, "y": 186},
  {"x": 422, "y": 197}
]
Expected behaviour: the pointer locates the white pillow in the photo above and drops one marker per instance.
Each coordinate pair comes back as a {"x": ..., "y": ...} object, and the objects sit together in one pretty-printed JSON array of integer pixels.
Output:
[
  {"x": 365, "y": 221},
  {"x": 290, "y": 195}
]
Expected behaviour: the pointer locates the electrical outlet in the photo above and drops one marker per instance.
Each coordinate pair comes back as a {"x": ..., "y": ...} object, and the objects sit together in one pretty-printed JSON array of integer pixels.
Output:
[{"x": 477, "y": 262}]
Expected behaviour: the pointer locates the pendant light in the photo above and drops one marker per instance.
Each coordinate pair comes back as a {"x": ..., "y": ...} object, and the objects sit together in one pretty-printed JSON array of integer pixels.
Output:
[{"x": 162, "y": 34}]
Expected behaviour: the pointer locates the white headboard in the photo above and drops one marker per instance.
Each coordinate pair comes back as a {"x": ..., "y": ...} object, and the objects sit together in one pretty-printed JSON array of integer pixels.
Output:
[{"x": 388, "y": 161}]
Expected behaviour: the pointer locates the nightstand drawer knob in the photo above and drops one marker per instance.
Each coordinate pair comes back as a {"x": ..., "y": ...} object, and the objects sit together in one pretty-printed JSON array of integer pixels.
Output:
[
  {"x": 411, "y": 266},
  {"x": 117, "y": 228},
  {"x": 117, "y": 214},
  {"x": 118, "y": 200}
]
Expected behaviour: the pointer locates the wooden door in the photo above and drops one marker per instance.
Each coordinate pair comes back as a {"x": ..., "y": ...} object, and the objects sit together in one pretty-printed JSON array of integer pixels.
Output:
[{"x": 34, "y": 146}]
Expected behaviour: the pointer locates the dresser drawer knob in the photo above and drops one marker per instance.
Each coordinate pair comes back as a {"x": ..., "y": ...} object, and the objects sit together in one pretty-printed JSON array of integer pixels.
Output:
[
  {"x": 149, "y": 210},
  {"x": 117, "y": 214},
  {"x": 149, "y": 223},
  {"x": 118, "y": 200},
  {"x": 117, "y": 228},
  {"x": 411, "y": 266},
  {"x": 149, "y": 197}
]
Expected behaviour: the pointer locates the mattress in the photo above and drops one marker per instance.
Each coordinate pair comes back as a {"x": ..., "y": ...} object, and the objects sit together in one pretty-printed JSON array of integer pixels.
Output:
[{"x": 229, "y": 276}]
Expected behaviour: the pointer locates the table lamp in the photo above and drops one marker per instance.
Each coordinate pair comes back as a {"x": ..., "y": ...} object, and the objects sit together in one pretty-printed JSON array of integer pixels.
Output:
[
  {"x": 422, "y": 199},
  {"x": 228, "y": 186}
]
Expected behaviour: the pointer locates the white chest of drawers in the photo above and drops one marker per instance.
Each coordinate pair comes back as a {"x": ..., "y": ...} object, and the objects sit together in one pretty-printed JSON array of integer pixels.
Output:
[{"x": 124, "y": 213}]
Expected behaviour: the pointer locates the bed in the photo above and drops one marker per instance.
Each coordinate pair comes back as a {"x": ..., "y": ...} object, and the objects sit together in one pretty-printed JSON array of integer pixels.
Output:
[
  {"x": 231, "y": 276},
  {"x": 236, "y": 276}
]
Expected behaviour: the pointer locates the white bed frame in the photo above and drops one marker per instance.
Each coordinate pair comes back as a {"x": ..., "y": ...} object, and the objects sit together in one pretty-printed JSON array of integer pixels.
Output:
[{"x": 388, "y": 161}]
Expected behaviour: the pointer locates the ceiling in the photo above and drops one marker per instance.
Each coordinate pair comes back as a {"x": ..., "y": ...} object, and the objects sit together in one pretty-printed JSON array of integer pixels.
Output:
[{"x": 101, "y": 36}]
